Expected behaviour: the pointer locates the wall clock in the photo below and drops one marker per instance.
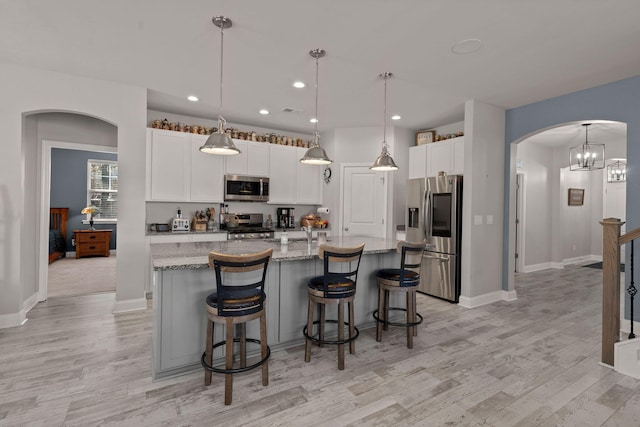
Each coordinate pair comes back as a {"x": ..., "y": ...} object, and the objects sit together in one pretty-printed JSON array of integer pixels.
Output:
[{"x": 327, "y": 174}]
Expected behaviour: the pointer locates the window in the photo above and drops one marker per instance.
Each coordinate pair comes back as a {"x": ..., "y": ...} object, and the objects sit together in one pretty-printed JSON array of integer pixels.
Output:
[{"x": 102, "y": 189}]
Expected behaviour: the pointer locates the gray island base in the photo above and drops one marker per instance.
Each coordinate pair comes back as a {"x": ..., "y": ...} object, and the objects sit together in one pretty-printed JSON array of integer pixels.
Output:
[{"x": 182, "y": 280}]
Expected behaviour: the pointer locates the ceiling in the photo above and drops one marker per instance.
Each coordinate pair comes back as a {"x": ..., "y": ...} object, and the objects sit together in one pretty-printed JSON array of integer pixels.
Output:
[{"x": 531, "y": 50}]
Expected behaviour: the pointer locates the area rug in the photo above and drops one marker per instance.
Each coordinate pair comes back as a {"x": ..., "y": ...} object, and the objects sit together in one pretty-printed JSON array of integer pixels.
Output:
[{"x": 599, "y": 265}]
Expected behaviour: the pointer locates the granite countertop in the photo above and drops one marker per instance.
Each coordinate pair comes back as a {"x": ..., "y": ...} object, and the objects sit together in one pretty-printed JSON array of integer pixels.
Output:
[
  {"x": 194, "y": 255},
  {"x": 183, "y": 233}
]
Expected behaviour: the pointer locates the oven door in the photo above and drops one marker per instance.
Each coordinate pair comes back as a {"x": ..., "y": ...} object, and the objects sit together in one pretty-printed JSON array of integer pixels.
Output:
[{"x": 246, "y": 188}]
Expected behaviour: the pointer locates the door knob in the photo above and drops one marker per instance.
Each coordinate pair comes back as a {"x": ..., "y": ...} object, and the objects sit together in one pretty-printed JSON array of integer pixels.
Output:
[{"x": 346, "y": 229}]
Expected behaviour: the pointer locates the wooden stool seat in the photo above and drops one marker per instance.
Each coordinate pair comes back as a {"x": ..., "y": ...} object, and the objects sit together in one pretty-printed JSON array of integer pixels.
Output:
[
  {"x": 238, "y": 299},
  {"x": 404, "y": 280}
]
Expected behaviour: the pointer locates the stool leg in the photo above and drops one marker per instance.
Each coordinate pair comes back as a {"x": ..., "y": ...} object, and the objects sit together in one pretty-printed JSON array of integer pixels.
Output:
[
  {"x": 410, "y": 318},
  {"x": 386, "y": 310},
  {"x": 352, "y": 328},
  {"x": 380, "y": 314},
  {"x": 321, "y": 325},
  {"x": 415, "y": 312},
  {"x": 228, "y": 379},
  {"x": 340, "y": 335},
  {"x": 208, "y": 352},
  {"x": 307, "y": 345},
  {"x": 263, "y": 348},
  {"x": 243, "y": 344}
]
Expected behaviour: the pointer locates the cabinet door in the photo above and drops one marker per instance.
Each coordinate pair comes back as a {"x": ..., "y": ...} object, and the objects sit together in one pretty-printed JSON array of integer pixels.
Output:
[
  {"x": 258, "y": 161},
  {"x": 237, "y": 164},
  {"x": 418, "y": 161},
  {"x": 458, "y": 156},
  {"x": 170, "y": 162},
  {"x": 308, "y": 180},
  {"x": 207, "y": 173},
  {"x": 281, "y": 174},
  {"x": 439, "y": 158}
]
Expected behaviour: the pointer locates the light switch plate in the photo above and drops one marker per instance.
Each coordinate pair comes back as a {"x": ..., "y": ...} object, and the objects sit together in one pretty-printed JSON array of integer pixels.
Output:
[
  {"x": 489, "y": 219},
  {"x": 477, "y": 220}
]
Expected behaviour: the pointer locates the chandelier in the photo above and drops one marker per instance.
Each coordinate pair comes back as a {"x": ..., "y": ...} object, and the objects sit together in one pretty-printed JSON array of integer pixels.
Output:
[
  {"x": 587, "y": 156},
  {"x": 617, "y": 171}
]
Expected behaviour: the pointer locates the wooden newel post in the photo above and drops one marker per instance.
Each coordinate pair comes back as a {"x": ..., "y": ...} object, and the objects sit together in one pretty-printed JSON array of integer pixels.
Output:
[{"x": 610, "y": 287}]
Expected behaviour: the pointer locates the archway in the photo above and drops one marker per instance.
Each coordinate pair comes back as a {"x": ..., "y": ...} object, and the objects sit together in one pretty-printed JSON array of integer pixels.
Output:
[{"x": 555, "y": 240}]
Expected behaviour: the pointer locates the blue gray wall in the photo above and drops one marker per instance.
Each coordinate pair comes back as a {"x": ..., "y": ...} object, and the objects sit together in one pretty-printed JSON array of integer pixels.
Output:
[
  {"x": 69, "y": 188},
  {"x": 618, "y": 101}
]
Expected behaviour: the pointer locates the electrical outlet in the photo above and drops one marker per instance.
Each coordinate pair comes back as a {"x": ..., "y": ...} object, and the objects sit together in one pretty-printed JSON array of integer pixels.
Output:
[{"x": 73, "y": 242}]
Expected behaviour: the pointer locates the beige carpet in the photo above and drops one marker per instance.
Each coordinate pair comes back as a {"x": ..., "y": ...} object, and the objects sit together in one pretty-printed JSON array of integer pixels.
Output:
[{"x": 70, "y": 276}]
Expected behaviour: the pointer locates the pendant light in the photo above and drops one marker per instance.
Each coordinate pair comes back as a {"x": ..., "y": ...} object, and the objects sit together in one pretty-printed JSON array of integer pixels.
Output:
[
  {"x": 384, "y": 162},
  {"x": 587, "y": 156},
  {"x": 316, "y": 155},
  {"x": 219, "y": 142}
]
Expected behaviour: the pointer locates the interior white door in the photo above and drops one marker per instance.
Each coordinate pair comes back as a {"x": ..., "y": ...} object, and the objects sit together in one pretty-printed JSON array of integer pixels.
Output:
[{"x": 364, "y": 201}]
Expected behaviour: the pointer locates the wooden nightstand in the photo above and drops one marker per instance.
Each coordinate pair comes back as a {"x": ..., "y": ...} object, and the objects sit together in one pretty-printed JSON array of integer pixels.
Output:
[{"x": 92, "y": 242}]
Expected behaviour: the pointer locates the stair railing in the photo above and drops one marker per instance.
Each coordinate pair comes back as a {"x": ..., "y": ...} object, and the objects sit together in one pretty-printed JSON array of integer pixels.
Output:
[{"x": 611, "y": 242}]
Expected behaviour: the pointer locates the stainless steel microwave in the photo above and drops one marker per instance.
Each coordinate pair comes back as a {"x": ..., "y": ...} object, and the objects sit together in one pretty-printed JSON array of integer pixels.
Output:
[{"x": 246, "y": 188}]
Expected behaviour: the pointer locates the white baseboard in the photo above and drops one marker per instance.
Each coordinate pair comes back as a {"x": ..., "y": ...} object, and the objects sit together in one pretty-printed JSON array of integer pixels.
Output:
[
  {"x": 484, "y": 299},
  {"x": 30, "y": 302},
  {"x": 130, "y": 305},
  {"x": 560, "y": 265},
  {"x": 12, "y": 320}
]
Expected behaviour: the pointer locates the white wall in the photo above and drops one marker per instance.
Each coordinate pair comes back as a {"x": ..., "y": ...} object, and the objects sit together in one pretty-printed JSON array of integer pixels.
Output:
[
  {"x": 537, "y": 165},
  {"x": 26, "y": 91},
  {"x": 483, "y": 191}
]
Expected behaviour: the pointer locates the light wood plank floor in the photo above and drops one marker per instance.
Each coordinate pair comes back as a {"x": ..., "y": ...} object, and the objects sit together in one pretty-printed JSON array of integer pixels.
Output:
[{"x": 530, "y": 362}]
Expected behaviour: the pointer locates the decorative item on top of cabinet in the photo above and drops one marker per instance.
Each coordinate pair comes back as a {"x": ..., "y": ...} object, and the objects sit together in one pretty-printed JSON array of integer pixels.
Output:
[{"x": 425, "y": 137}]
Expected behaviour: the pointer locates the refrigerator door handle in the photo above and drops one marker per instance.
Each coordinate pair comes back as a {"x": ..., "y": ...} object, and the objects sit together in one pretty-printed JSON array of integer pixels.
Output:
[
  {"x": 427, "y": 215},
  {"x": 439, "y": 258}
]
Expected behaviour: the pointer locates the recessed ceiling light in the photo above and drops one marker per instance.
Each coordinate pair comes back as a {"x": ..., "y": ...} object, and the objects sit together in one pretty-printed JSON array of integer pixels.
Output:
[
  {"x": 466, "y": 46},
  {"x": 263, "y": 111},
  {"x": 314, "y": 120},
  {"x": 298, "y": 85},
  {"x": 396, "y": 117},
  {"x": 192, "y": 98}
]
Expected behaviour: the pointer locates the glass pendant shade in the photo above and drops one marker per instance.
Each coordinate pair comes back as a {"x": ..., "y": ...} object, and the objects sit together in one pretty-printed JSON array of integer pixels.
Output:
[
  {"x": 316, "y": 155},
  {"x": 219, "y": 142},
  {"x": 587, "y": 156},
  {"x": 384, "y": 162}
]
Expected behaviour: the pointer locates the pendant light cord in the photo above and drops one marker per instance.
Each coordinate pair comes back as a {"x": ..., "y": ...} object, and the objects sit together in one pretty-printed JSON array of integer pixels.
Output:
[
  {"x": 221, "y": 66},
  {"x": 315, "y": 134},
  {"x": 384, "y": 132}
]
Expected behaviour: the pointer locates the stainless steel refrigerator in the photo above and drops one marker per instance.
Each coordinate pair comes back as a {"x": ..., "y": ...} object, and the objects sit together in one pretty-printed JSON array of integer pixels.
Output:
[{"x": 434, "y": 216}]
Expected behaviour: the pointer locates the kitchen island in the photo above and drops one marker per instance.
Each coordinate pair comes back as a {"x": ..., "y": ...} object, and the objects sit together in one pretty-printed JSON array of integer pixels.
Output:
[{"x": 182, "y": 279}]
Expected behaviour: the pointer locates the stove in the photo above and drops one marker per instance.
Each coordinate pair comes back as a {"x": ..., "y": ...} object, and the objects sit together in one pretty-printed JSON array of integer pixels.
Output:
[{"x": 246, "y": 226}]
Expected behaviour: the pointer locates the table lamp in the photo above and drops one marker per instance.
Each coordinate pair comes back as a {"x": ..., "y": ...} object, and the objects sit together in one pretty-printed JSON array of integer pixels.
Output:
[{"x": 91, "y": 210}]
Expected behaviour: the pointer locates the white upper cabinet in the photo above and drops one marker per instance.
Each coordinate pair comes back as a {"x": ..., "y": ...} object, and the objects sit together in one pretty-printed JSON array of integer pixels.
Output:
[
  {"x": 207, "y": 173},
  {"x": 418, "y": 161},
  {"x": 308, "y": 181},
  {"x": 290, "y": 181},
  {"x": 443, "y": 156},
  {"x": 253, "y": 159},
  {"x": 281, "y": 174},
  {"x": 169, "y": 162},
  {"x": 177, "y": 171}
]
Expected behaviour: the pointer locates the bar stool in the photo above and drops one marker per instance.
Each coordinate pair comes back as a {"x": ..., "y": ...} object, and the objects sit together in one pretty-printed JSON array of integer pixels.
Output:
[
  {"x": 337, "y": 287},
  {"x": 239, "y": 298},
  {"x": 404, "y": 280}
]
